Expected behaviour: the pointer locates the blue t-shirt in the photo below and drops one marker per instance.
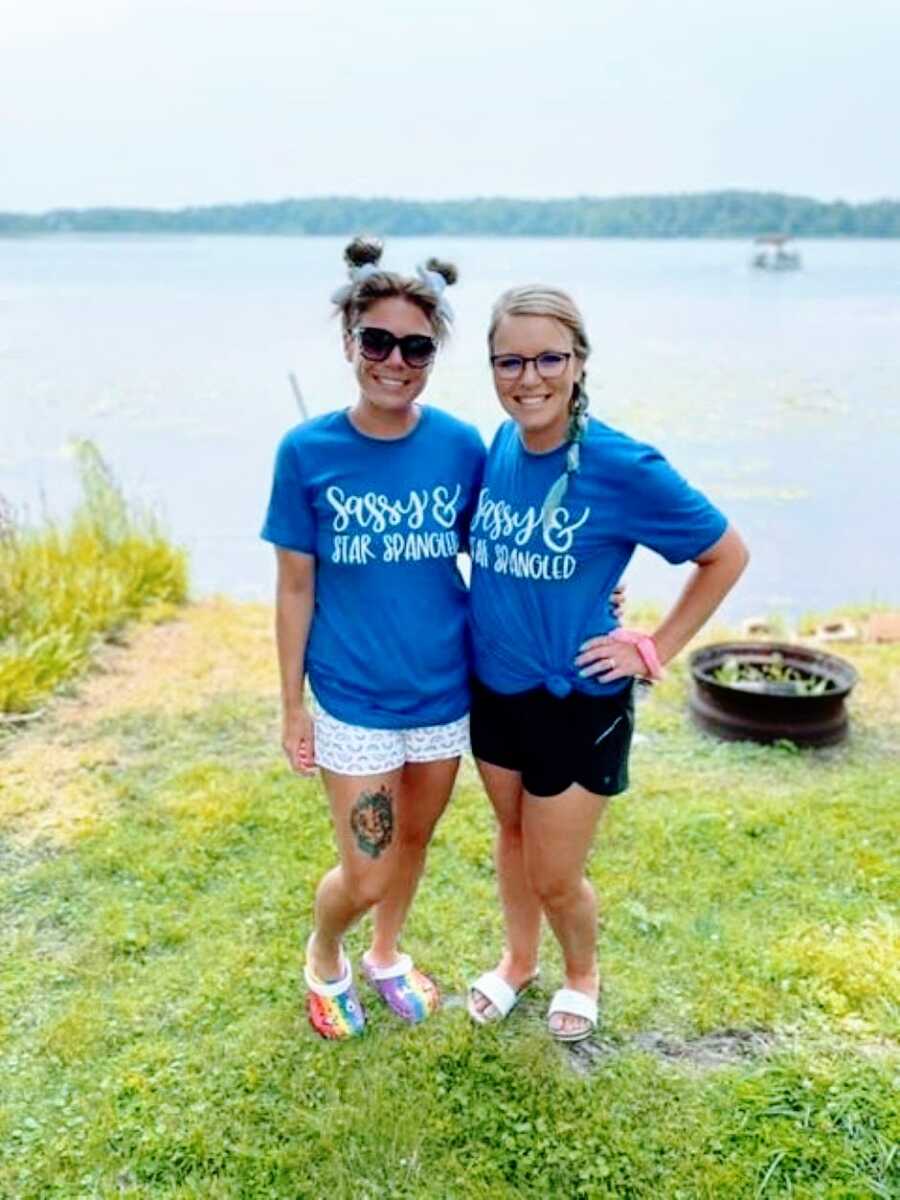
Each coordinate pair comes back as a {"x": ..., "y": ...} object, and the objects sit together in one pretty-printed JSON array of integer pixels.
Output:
[
  {"x": 537, "y": 595},
  {"x": 385, "y": 519}
]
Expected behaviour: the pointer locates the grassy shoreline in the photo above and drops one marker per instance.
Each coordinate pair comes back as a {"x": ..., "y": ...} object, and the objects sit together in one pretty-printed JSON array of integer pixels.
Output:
[
  {"x": 158, "y": 861},
  {"x": 65, "y": 590}
]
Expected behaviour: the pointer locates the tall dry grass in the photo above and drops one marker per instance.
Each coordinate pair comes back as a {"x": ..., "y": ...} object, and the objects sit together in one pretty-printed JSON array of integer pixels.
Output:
[{"x": 65, "y": 588}]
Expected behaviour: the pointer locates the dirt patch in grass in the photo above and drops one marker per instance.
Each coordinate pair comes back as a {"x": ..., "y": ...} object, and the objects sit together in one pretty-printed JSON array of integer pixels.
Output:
[
  {"x": 52, "y": 771},
  {"x": 717, "y": 1049},
  {"x": 15, "y": 858},
  {"x": 214, "y": 647},
  {"x": 705, "y": 1052},
  {"x": 880, "y": 1050}
]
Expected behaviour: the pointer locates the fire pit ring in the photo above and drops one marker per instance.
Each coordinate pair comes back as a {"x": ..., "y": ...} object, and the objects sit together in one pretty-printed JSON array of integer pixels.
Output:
[{"x": 770, "y": 712}]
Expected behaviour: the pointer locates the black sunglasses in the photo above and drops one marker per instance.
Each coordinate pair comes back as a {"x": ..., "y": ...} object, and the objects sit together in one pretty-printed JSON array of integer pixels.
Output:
[{"x": 416, "y": 349}]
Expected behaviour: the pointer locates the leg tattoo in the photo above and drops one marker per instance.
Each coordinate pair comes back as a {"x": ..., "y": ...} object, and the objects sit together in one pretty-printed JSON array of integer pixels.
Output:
[{"x": 372, "y": 821}]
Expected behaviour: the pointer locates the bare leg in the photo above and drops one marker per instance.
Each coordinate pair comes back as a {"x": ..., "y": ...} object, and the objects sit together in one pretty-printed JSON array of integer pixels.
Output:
[
  {"x": 557, "y": 834},
  {"x": 363, "y": 808},
  {"x": 424, "y": 793},
  {"x": 521, "y": 906}
]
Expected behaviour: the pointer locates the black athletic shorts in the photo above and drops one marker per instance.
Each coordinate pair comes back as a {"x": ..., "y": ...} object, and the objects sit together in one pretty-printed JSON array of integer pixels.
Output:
[{"x": 554, "y": 742}]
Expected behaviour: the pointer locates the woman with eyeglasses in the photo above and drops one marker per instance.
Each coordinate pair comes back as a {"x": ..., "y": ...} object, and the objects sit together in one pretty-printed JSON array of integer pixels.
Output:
[
  {"x": 564, "y": 502},
  {"x": 368, "y": 511}
]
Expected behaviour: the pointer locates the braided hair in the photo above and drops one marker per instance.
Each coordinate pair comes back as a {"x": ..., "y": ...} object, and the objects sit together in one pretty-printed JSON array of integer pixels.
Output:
[{"x": 537, "y": 300}]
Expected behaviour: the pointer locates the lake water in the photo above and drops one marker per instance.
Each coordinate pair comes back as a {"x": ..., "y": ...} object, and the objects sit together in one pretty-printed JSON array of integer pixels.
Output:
[{"x": 778, "y": 395}]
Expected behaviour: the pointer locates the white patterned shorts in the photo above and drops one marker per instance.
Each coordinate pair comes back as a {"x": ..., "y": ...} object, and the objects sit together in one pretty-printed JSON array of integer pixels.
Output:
[{"x": 355, "y": 750}]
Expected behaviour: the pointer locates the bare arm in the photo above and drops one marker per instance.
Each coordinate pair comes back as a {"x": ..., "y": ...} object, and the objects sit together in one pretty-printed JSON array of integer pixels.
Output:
[
  {"x": 715, "y": 573},
  {"x": 294, "y": 599}
]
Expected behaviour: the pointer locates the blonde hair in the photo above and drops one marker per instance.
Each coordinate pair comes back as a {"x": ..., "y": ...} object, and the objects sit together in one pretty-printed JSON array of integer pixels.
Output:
[
  {"x": 352, "y": 300},
  {"x": 539, "y": 300}
]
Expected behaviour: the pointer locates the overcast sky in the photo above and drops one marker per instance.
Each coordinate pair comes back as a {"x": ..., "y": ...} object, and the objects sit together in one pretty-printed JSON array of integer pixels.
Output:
[{"x": 173, "y": 102}]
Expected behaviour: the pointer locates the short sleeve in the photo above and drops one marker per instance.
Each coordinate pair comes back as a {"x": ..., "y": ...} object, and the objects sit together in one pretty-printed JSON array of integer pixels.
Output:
[
  {"x": 666, "y": 513},
  {"x": 290, "y": 519},
  {"x": 476, "y": 456}
]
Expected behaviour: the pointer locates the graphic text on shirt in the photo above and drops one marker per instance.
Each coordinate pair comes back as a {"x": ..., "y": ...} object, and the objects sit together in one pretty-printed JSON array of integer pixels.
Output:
[
  {"x": 502, "y": 535},
  {"x": 371, "y": 526}
]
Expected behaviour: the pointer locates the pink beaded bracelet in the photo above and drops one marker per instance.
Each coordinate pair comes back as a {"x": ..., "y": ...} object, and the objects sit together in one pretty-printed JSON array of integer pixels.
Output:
[{"x": 645, "y": 646}]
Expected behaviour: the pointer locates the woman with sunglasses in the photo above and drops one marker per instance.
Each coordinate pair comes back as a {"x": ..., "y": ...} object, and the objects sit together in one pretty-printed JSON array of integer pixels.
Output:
[
  {"x": 369, "y": 509},
  {"x": 564, "y": 502}
]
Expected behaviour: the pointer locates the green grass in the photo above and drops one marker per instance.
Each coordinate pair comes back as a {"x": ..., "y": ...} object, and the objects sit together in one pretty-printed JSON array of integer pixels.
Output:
[
  {"x": 64, "y": 589},
  {"x": 152, "y": 1041}
]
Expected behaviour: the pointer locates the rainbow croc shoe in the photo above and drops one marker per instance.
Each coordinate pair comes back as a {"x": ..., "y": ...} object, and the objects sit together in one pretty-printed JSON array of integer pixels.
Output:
[
  {"x": 406, "y": 991},
  {"x": 334, "y": 1008}
]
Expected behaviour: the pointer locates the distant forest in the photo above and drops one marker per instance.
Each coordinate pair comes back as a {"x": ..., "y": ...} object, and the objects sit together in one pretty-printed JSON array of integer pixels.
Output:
[{"x": 713, "y": 214}]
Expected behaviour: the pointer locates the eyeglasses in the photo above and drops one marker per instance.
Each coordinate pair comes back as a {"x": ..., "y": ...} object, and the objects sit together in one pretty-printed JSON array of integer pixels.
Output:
[
  {"x": 375, "y": 344},
  {"x": 549, "y": 365}
]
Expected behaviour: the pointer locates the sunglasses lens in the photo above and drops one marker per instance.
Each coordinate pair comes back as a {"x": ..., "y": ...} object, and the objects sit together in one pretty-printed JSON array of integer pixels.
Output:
[
  {"x": 376, "y": 344},
  {"x": 417, "y": 350}
]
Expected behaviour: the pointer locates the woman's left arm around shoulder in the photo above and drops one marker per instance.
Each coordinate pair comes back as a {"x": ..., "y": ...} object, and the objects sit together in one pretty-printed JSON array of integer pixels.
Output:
[{"x": 715, "y": 573}]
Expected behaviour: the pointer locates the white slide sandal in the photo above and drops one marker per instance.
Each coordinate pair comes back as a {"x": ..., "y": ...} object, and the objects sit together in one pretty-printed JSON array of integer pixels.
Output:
[
  {"x": 568, "y": 1002},
  {"x": 494, "y": 988}
]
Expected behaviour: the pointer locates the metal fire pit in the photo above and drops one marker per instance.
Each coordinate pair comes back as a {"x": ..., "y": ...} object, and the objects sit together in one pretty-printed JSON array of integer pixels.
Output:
[{"x": 770, "y": 712}]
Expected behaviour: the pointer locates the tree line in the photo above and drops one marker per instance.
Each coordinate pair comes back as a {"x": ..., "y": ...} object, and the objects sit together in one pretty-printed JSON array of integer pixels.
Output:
[{"x": 712, "y": 214}]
